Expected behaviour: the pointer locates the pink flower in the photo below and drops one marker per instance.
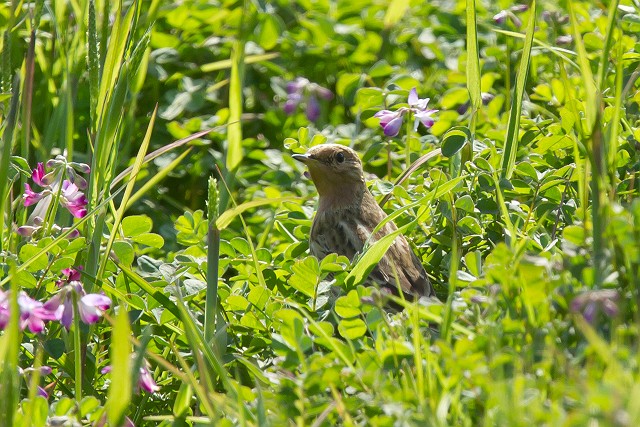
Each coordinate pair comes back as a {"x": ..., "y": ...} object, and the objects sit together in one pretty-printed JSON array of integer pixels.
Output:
[
  {"x": 90, "y": 306},
  {"x": 4, "y": 309},
  {"x": 30, "y": 196},
  {"x": 33, "y": 314},
  {"x": 38, "y": 175},
  {"x": 391, "y": 121},
  {"x": 302, "y": 89},
  {"x": 145, "y": 379},
  {"x": 73, "y": 199}
]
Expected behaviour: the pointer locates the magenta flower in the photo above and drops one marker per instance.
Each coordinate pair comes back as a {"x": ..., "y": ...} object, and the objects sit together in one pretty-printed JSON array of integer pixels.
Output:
[
  {"x": 40, "y": 176},
  {"x": 501, "y": 17},
  {"x": 30, "y": 196},
  {"x": 590, "y": 303},
  {"x": 73, "y": 199},
  {"x": 33, "y": 314},
  {"x": 301, "y": 89},
  {"x": 4, "y": 309},
  {"x": 391, "y": 121},
  {"x": 420, "y": 112},
  {"x": 90, "y": 306},
  {"x": 145, "y": 379}
]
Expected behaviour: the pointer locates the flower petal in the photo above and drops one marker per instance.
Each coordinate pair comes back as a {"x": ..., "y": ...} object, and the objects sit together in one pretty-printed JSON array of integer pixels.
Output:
[{"x": 393, "y": 127}]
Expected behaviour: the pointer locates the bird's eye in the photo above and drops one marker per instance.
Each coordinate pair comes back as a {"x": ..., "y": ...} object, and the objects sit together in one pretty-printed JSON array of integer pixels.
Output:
[{"x": 340, "y": 157}]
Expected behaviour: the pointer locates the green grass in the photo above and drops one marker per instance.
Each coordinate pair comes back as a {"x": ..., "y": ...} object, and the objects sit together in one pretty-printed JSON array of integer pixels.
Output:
[{"x": 521, "y": 201}]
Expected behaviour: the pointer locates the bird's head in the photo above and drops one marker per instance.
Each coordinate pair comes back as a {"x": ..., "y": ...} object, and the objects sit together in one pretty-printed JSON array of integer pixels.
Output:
[{"x": 334, "y": 169}]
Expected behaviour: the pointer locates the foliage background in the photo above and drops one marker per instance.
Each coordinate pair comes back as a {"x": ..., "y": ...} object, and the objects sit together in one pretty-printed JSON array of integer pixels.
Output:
[{"x": 531, "y": 213}]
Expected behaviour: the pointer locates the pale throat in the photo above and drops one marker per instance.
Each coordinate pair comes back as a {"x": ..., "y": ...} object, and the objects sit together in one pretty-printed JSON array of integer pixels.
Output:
[{"x": 339, "y": 194}]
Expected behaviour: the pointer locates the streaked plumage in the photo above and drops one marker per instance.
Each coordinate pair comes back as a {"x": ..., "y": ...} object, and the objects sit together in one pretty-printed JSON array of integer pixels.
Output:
[{"x": 347, "y": 214}]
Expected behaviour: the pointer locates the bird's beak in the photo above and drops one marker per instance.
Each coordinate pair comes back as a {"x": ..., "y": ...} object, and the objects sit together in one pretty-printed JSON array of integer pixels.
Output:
[{"x": 302, "y": 158}]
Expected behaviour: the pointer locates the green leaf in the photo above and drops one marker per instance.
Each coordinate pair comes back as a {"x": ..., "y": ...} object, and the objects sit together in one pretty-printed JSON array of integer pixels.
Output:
[
  {"x": 149, "y": 239},
  {"x": 513, "y": 128},
  {"x": 120, "y": 390},
  {"x": 32, "y": 254},
  {"x": 352, "y": 328},
  {"x": 124, "y": 252},
  {"x": 182, "y": 401},
  {"x": 305, "y": 277},
  {"x": 395, "y": 12},
  {"x": 372, "y": 256},
  {"x": 225, "y": 219},
  {"x": 473, "y": 57},
  {"x": 234, "y": 128},
  {"x": 454, "y": 140},
  {"x": 135, "y": 225},
  {"x": 348, "y": 305},
  {"x": 268, "y": 31}
]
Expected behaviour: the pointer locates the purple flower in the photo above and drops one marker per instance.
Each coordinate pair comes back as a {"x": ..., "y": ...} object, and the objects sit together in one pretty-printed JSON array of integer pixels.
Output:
[
  {"x": 391, "y": 121},
  {"x": 40, "y": 176},
  {"x": 302, "y": 90},
  {"x": 420, "y": 111},
  {"x": 73, "y": 199},
  {"x": 313, "y": 108},
  {"x": 145, "y": 379},
  {"x": 90, "y": 306},
  {"x": 564, "y": 40},
  {"x": 501, "y": 17},
  {"x": 292, "y": 103},
  {"x": 30, "y": 196},
  {"x": 4, "y": 309},
  {"x": 33, "y": 314},
  {"x": 590, "y": 303}
]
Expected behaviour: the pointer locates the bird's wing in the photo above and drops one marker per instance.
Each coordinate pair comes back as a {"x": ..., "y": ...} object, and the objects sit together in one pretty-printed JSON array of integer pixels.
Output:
[{"x": 400, "y": 266}]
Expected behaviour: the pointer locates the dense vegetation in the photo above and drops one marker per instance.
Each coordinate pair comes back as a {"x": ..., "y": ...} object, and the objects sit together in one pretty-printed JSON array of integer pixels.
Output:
[{"x": 135, "y": 289}]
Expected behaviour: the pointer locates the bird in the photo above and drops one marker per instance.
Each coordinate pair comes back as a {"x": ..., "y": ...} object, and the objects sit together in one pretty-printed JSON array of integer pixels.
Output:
[{"x": 346, "y": 216}]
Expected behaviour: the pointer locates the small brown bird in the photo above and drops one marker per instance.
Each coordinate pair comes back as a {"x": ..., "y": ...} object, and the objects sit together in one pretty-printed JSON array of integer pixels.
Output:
[{"x": 347, "y": 214}]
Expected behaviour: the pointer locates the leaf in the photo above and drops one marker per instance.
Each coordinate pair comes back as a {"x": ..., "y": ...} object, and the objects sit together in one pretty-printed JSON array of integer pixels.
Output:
[
  {"x": 372, "y": 256},
  {"x": 227, "y": 216},
  {"x": 120, "y": 390},
  {"x": 305, "y": 276},
  {"x": 150, "y": 239},
  {"x": 511, "y": 139},
  {"x": 135, "y": 225},
  {"x": 352, "y": 328},
  {"x": 395, "y": 12},
  {"x": 348, "y": 305},
  {"x": 473, "y": 57},
  {"x": 454, "y": 140}
]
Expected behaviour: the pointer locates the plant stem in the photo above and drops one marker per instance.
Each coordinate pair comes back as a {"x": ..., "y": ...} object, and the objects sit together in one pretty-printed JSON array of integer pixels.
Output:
[{"x": 76, "y": 350}]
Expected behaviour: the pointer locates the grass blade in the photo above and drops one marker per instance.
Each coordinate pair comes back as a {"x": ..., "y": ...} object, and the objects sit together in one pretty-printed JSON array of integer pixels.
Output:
[{"x": 511, "y": 140}]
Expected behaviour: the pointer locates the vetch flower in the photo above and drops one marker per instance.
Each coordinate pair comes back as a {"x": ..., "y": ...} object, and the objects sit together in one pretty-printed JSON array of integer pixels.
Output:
[
  {"x": 90, "y": 306},
  {"x": 420, "y": 111},
  {"x": 4, "y": 309},
  {"x": 30, "y": 196},
  {"x": 33, "y": 314},
  {"x": 302, "y": 90},
  {"x": 591, "y": 302},
  {"x": 40, "y": 176},
  {"x": 43, "y": 371},
  {"x": 501, "y": 17},
  {"x": 145, "y": 379},
  {"x": 391, "y": 121},
  {"x": 73, "y": 199}
]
